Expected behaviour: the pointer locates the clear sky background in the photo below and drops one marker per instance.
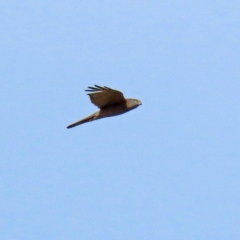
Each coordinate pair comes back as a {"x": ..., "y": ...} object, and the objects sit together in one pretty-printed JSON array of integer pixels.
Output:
[{"x": 167, "y": 170}]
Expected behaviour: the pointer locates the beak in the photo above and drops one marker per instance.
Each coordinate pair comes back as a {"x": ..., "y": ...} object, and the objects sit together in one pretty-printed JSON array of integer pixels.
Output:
[{"x": 140, "y": 103}]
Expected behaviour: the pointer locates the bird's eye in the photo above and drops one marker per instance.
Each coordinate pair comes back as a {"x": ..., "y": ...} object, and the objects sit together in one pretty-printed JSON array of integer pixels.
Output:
[{"x": 136, "y": 101}]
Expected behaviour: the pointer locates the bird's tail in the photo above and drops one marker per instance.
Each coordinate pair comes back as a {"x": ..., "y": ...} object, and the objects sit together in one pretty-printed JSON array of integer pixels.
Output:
[{"x": 84, "y": 120}]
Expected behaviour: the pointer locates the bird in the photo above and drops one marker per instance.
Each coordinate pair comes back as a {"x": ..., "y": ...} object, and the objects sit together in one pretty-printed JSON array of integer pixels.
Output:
[{"x": 111, "y": 103}]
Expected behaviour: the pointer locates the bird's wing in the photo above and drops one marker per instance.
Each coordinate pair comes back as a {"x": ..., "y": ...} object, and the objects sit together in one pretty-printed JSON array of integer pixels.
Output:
[{"x": 103, "y": 96}]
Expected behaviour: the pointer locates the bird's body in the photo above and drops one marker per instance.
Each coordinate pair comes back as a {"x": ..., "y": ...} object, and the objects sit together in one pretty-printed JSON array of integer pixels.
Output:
[{"x": 111, "y": 103}]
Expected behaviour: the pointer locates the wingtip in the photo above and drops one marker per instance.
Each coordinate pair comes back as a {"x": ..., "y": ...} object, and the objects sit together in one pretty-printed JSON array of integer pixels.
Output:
[{"x": 97, "y": 88}]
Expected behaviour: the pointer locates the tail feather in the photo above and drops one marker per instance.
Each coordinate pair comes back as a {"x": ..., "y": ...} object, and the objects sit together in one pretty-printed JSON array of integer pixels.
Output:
[{"x": 84, "y": 120}]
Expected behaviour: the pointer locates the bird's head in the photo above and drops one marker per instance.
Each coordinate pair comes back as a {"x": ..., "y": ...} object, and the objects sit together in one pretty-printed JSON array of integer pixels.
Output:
[{"x": 133, "y": 103}]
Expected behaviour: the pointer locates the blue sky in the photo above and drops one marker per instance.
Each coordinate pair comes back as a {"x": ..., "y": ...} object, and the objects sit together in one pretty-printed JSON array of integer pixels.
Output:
[{"x": 167, "y": 170}]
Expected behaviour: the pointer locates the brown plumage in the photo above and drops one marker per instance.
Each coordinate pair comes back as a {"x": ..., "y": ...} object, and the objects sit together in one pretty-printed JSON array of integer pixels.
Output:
[{"x": 110, "y": 102}]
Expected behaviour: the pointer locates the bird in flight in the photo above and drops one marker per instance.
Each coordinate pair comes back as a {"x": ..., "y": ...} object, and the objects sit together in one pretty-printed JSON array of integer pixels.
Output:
[{"x": 110, "y": 102}]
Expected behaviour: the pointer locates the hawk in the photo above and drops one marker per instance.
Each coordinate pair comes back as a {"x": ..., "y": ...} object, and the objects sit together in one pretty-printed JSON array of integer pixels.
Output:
[{"x": 111, "y": 103}]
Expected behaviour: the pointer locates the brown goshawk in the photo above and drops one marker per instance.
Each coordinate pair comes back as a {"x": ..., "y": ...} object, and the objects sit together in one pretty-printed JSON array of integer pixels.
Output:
[{"x": 110, "y": 102}]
